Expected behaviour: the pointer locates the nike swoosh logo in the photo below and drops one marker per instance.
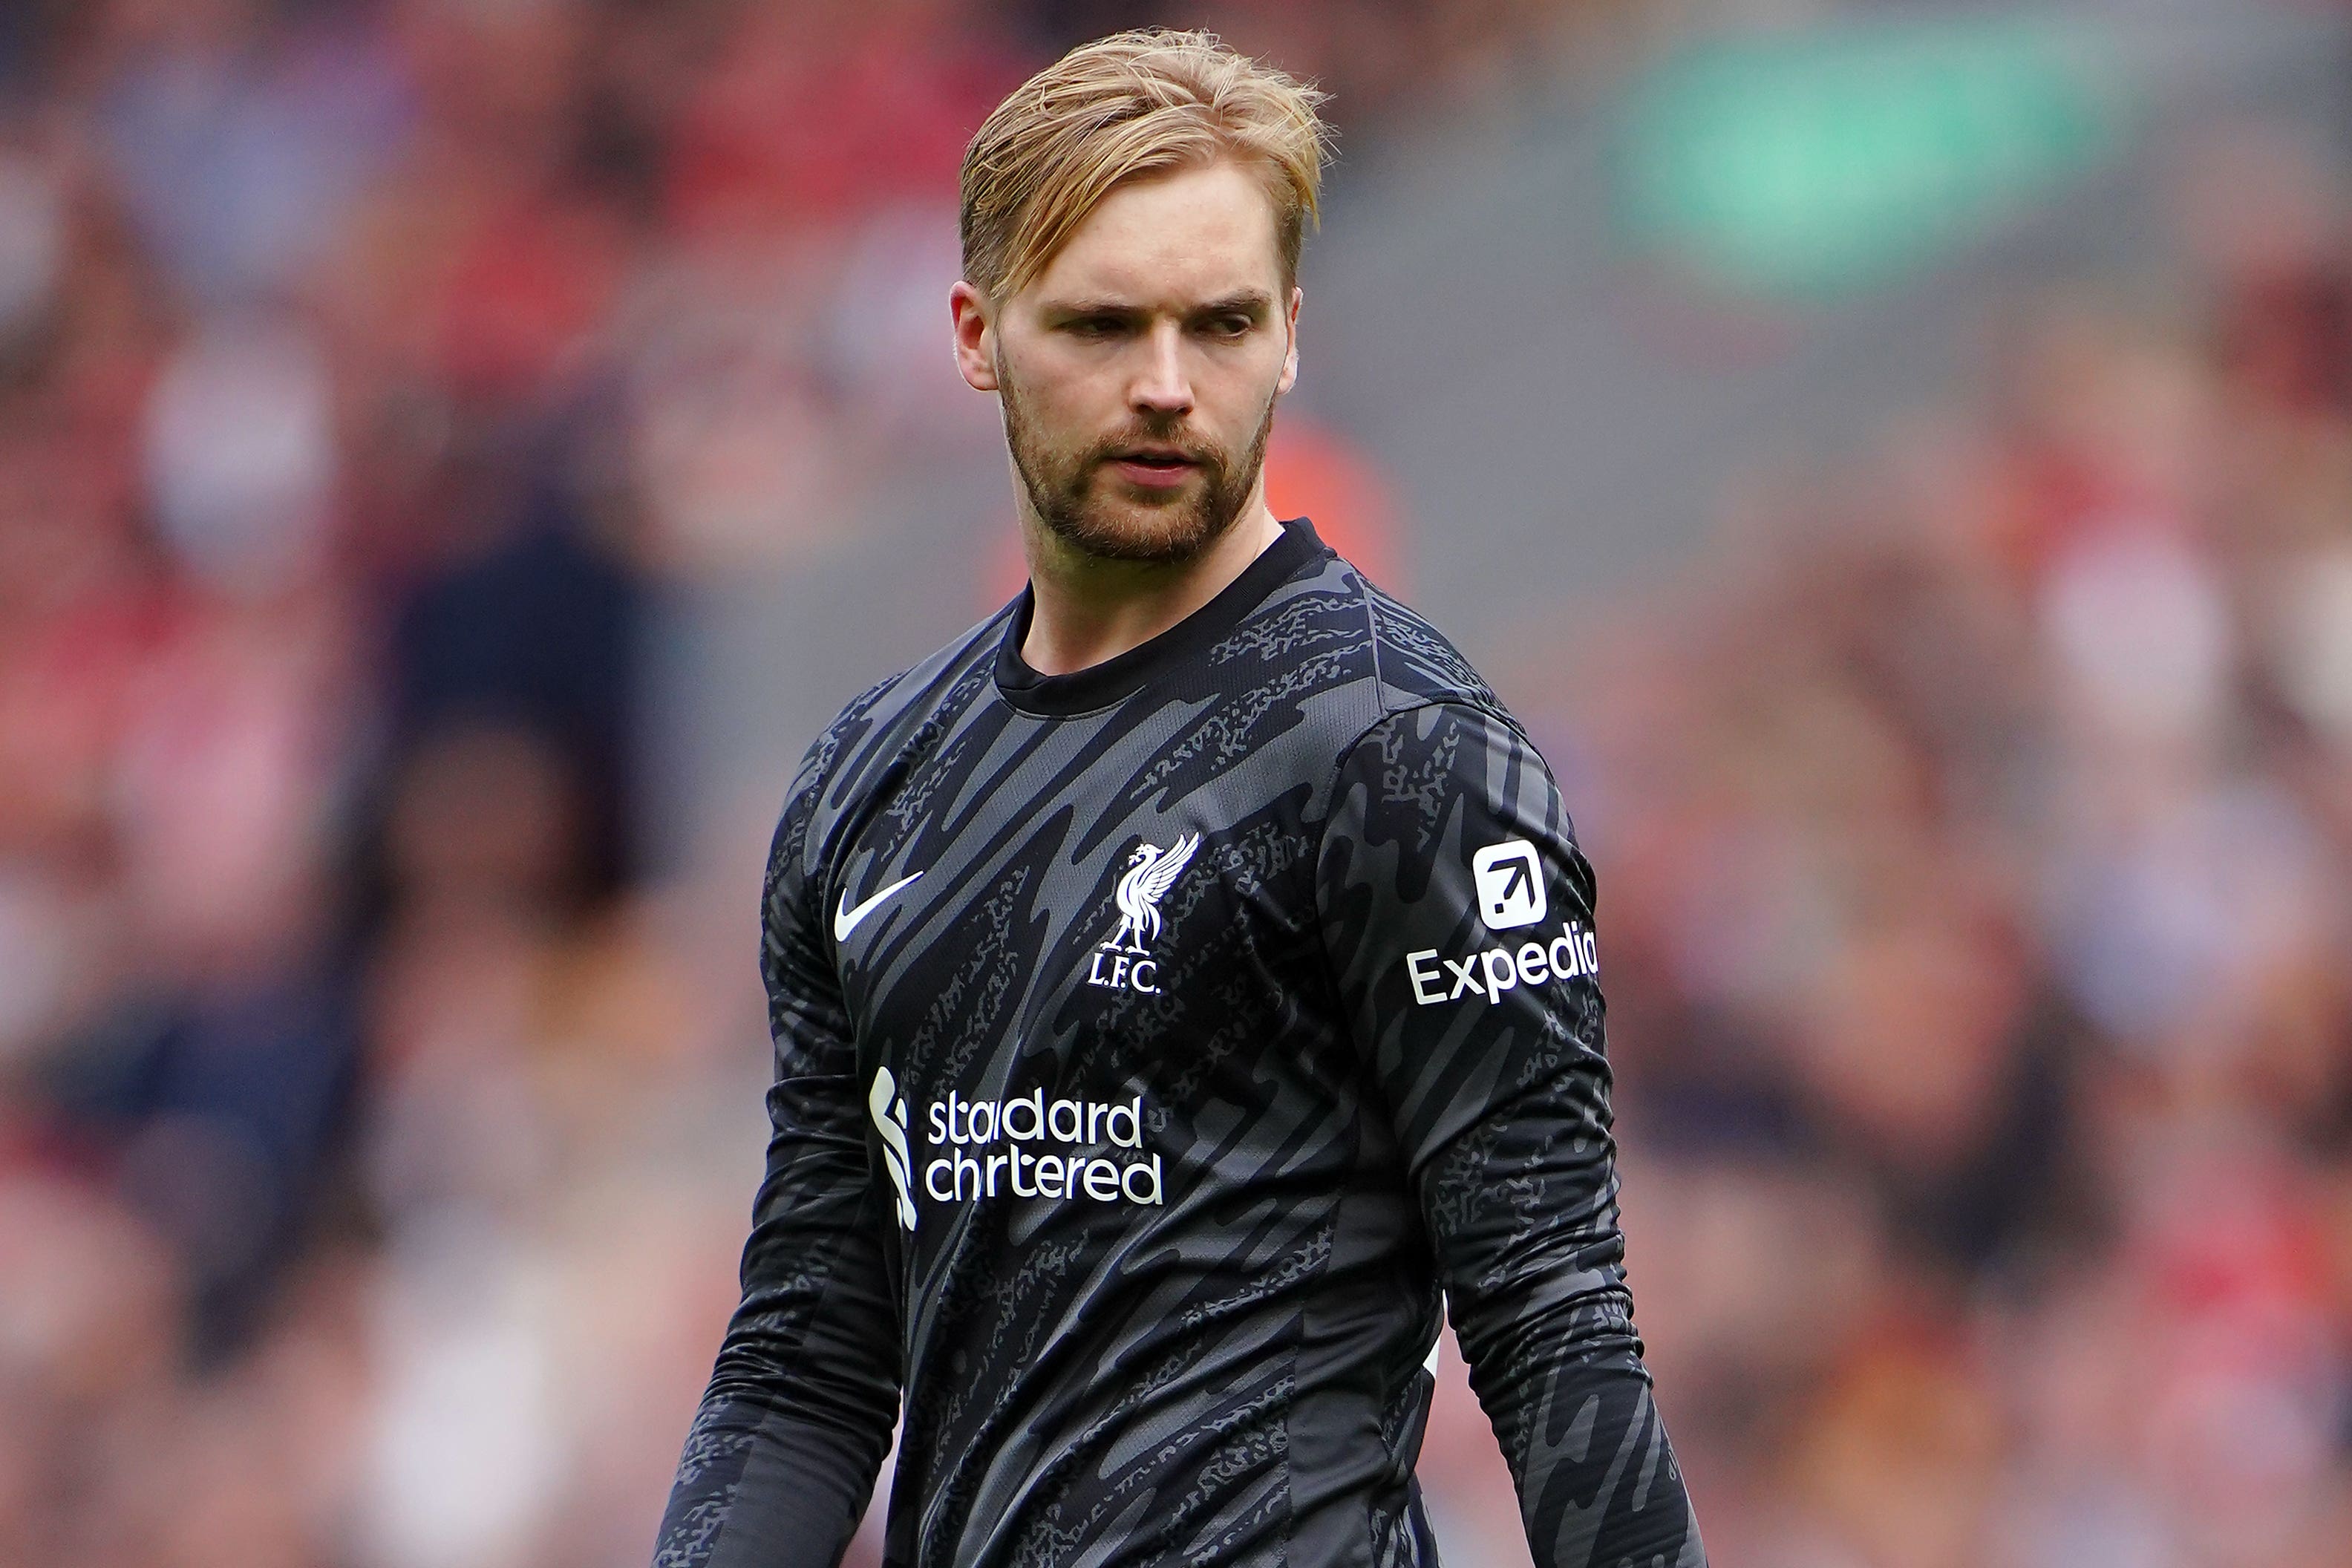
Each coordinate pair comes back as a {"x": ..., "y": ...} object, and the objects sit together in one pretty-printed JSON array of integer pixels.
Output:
[{"x": 846, "y": 919}]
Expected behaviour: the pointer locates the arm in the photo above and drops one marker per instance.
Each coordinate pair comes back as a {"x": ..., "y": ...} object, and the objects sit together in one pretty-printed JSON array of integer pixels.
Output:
[
  {"x": 1490, "y": 1058},
  {"x": 782, "y": 1456}
]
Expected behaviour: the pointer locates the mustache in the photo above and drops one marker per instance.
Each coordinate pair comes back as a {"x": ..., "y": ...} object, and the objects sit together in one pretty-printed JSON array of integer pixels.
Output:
[{"x": 1206, "y": 454}]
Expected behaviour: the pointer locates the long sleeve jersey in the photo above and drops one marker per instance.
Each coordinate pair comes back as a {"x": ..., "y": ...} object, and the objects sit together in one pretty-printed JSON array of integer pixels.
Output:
[{"x": 1162, "y": 1050}]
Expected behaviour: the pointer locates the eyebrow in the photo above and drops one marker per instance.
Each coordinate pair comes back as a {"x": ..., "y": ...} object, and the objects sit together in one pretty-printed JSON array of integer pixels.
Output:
[{"x": 1251, "y": 302}]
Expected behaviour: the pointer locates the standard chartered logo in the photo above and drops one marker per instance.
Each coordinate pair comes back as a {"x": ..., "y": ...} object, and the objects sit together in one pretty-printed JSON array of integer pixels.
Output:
[
  {"x": 1024, "y": 1147},
  {"x": 888, "y": 1108},
  {"x": 1030, "y": 1147}
]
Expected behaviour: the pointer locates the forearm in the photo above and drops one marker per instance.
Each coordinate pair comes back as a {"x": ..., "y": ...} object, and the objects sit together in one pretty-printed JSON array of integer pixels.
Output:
[
  {"x": 761, "y": 1485},
  {"x": 1571, "y": 1406},
  {"x": 781, "y": 1454},
  {"x": 792, "y": 1425}
]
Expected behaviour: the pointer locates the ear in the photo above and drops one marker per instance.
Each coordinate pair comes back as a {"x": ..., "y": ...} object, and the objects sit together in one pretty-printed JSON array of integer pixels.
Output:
[
  {"x": 1290, "y": 329},
  {"x": 975, "y": 338}
]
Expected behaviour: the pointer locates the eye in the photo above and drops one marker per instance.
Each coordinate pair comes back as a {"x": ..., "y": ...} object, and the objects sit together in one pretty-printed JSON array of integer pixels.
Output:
[
  {"x": 1095, "y": 326},
  {"x": 1231, "y": 326}
]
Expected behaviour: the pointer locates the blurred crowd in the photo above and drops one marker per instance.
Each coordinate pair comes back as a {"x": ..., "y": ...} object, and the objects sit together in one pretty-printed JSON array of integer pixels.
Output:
[
  {"x": 380, "y": 1110},
  {"x": 1974, "y": 830}
]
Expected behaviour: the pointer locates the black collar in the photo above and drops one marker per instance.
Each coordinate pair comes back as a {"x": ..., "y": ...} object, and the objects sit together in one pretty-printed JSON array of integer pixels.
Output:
[{"x": 1101, "y": 685}]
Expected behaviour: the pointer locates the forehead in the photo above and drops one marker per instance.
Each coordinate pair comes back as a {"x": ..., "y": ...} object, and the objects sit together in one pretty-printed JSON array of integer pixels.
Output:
[{"x": 1202, "y": 233}]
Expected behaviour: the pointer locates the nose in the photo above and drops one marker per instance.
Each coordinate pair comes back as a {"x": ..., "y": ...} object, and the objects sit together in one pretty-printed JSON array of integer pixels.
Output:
[{"x": 1161, "y": 386}]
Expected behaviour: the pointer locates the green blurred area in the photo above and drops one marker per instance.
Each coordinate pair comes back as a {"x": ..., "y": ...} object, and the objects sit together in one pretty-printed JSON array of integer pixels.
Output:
[{"x": 1810, "y": 165}]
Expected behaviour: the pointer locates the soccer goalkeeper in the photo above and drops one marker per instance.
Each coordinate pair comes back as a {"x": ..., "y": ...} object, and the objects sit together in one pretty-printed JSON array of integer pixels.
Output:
[{"x": 1177, "y": 982}]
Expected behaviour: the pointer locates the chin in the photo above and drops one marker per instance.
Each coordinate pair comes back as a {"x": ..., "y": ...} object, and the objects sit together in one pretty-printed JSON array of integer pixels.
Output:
[{"x": 1144, "y": 534}]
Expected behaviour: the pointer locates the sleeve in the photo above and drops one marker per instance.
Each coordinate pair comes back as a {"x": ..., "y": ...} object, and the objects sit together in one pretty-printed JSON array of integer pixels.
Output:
[
  {"x": 1457, "y": 914},
  {"x": 782, "y": 1456}
]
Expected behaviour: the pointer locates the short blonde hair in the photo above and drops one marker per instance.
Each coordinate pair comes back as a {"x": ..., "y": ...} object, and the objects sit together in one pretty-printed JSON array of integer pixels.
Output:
[{"x": 1139, "y": 103}]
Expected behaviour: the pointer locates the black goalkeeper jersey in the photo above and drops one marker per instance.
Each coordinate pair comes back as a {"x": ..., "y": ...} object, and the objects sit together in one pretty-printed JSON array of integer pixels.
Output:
[{"x": 1153, "y": 1044}]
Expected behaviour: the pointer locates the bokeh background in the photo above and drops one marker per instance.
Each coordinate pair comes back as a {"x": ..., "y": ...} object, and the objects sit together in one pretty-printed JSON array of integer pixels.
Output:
[{"x": 455, "y": 454}]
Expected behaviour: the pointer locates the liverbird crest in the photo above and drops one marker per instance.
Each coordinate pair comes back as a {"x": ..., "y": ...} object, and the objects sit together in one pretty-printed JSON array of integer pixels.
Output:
[{"x": 1150, "y": 872}]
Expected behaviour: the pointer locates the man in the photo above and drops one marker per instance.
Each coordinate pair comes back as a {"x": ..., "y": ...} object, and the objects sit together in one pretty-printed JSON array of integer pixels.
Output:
[{"x": 1177, "y": 980}]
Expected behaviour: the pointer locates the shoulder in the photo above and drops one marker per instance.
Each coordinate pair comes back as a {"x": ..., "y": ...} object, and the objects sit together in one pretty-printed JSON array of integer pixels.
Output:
[
  {"x": 1418, "y": 663},
  {"x": 1407, "y": 667},
  {"x": 880, "y": 722}
]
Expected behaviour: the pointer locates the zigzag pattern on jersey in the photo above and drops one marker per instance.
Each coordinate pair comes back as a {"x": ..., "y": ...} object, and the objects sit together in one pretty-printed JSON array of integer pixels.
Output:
[
  {"x": 1096, "y": 1386},
  {"x": 1303, "y": 641},
  {"x": 1326, "y": 635}
]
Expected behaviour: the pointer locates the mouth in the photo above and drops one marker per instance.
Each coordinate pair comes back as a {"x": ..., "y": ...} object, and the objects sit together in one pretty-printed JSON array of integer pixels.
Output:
[{"x": 1153, "y": 468}]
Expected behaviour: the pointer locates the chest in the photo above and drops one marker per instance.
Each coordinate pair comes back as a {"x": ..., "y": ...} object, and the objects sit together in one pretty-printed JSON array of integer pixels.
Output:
[{"x": 1084, "y": 947}]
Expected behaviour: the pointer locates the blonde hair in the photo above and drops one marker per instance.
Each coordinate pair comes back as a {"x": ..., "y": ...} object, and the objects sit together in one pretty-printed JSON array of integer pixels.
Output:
[{"x": 1139, "y": 103}]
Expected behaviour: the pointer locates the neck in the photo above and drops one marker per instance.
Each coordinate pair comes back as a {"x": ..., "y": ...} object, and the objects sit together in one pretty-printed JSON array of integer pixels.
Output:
[{"x": 1085, "y": 609}]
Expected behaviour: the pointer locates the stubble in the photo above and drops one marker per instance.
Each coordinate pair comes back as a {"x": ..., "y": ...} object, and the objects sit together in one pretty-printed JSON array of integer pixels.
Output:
[{"x": 1067, "y": 489}]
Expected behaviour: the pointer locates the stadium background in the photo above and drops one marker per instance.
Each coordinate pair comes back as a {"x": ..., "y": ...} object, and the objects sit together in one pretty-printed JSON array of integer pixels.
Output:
[{"x": 453, "y": 454}]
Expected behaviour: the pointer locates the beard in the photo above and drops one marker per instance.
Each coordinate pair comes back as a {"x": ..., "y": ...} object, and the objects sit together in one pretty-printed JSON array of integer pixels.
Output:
[{"x": 1175, "y": 527}]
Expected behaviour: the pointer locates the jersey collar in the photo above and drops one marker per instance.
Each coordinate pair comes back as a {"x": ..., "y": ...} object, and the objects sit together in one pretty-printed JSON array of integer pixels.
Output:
[{"x": 1101, "y": 685}]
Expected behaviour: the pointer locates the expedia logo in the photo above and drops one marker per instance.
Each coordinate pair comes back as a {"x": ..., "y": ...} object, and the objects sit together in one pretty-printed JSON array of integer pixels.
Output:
[
  {"x": 1509, "y": 878},
  {"x": 1487, "y": 975},
  {"x": 1510, "y": 885}
]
